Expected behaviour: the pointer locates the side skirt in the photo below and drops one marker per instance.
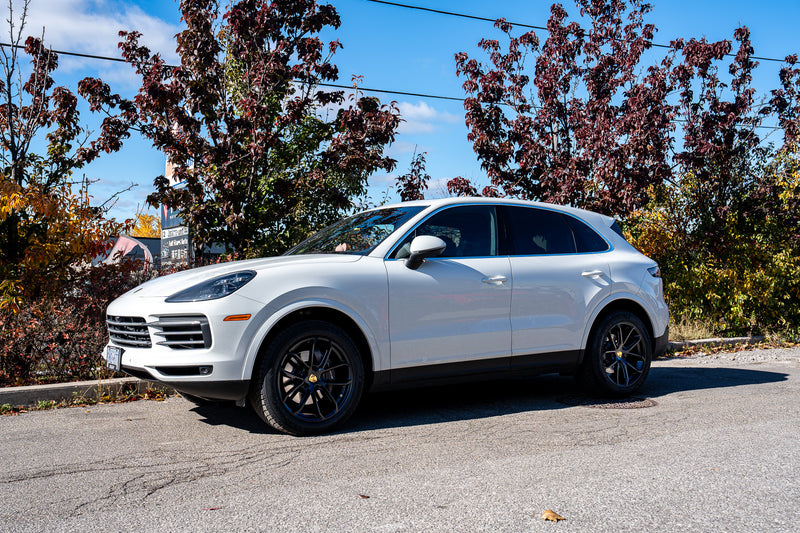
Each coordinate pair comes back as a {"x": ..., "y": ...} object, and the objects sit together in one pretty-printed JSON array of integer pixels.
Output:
[{"x": 565, "y": 362}]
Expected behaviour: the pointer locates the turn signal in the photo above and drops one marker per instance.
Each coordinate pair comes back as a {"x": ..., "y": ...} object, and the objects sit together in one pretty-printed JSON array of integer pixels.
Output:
[{"x": 236, "y": 318}]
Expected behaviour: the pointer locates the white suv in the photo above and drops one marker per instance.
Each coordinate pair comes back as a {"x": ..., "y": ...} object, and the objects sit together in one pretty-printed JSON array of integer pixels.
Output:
[{"x": 425, "y": 291}]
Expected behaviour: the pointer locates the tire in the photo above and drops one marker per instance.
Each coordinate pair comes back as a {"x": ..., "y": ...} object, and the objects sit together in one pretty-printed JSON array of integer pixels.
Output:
[
  {"x": 309, "y": 380},
  {"x": 618, "y": 356}
]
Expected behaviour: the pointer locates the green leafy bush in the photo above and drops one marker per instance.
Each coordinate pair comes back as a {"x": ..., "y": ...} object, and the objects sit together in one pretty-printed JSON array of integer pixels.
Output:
[{"x": 738, "y": 273}]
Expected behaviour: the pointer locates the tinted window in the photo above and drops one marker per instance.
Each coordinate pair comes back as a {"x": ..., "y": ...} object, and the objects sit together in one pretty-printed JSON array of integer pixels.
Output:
[
  {"x": 615, "y": 227},
  {"x": 539, "y": 231},
  {"x": 468, "y": 231},
  {"x": 586, "y": 239}
]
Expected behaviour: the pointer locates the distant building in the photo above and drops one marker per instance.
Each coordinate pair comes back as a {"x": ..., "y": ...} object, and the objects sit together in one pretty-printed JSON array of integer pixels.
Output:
[{"x": 143, "y": 249}]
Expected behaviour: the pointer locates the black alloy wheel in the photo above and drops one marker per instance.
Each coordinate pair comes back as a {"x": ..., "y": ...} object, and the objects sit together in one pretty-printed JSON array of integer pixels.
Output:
[
  {"x": 310, "y": 379},
  {"x": 618, "y": 356}
]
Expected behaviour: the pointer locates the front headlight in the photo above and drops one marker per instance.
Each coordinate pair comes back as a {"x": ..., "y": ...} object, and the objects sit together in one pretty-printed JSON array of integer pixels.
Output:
[{"x": 213, "y": 288}]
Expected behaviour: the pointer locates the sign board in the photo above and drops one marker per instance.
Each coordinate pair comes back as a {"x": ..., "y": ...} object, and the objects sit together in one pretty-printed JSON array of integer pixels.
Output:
[
  {"x": 176, "y": 241},
  {"x": 176, "y": 244}
]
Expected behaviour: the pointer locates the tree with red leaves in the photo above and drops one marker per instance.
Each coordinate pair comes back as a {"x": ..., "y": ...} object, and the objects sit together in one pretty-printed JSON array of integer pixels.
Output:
[
  {"x": 676, "y": 150},
  {"x": 585, "y": 128},
  {"x": 412, "y": 185},
  {"x": 591, "y": 127},
  {"x": 263, "y": 155}
]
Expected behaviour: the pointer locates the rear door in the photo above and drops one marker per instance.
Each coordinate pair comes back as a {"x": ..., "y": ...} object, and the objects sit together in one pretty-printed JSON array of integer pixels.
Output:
[{"x": 560, "y": 274}]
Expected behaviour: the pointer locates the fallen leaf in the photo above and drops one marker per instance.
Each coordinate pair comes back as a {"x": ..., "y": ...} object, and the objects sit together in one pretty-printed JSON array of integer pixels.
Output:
[
  {"x": 552, "y": 516},
  {"x": 363, "y": 496}
]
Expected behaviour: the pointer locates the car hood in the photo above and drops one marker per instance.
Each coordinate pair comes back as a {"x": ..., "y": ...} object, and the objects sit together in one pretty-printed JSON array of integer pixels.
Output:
[{"x": 168, "y": 285}]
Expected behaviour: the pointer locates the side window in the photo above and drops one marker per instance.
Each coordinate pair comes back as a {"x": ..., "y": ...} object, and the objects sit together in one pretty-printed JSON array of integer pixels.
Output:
[
  {"x": 586, "y": 239},
  {"x": 539, "y": 231},
  {"x": 468, "y": 231}
]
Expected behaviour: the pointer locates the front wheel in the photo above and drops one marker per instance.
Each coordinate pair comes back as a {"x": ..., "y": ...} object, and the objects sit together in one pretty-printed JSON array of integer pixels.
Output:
[
  {"x": 309, "y": 380},
  {"x": 618, "y": 356}
]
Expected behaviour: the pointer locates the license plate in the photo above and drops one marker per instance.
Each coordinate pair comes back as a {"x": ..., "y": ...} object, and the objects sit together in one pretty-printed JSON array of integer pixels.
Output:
[{"x": 114, "y": 358}]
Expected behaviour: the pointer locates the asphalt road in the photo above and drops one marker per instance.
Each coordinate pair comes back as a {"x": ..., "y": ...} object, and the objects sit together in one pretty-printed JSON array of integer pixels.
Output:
[{"x": 717, "y": 452}]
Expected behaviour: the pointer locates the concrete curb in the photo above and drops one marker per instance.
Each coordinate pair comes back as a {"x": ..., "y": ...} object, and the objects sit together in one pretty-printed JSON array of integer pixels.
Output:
[
  {"x": 31, "y": 395},
  {"x": 714, "y": 341}
]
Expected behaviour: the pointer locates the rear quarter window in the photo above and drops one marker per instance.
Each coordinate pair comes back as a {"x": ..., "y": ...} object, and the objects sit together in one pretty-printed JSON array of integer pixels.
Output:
[{"x": 587, "y": 240}]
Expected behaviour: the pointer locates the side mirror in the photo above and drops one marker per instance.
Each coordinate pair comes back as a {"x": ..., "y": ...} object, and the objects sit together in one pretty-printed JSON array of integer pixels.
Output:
[{"x": 422, "y": 247}]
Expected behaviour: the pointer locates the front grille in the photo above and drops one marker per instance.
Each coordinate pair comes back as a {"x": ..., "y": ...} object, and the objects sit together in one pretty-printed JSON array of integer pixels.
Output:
[
  {"x": 130, "y": 331},
  {"x": 189, "y": 332}
]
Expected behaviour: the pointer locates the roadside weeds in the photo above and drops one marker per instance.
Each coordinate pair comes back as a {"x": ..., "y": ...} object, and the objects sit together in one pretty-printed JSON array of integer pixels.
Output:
[{"x": 16, "y": 400}]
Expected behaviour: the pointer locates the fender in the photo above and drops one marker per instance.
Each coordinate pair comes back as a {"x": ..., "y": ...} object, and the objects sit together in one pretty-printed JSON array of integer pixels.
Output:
[
  {"x": 275, "y": 313},
  {"x": 605, "y": 302}
]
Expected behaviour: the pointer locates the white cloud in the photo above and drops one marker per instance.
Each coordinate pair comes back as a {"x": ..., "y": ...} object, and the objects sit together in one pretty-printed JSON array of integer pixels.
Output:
[
  {"x": 382, "y": 180},
  {"x": 92, "y": 27},
  {"x": 422, "y": 118},
  {"x": 399, "y": 149}
]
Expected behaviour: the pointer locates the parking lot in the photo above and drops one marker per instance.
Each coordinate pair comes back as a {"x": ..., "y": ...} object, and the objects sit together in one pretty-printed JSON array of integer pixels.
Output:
[{"x": 709, "y": 445}]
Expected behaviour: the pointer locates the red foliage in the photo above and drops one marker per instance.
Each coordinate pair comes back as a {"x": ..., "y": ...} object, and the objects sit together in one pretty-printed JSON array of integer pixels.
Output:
[
  {"x": 591, "y": 127},
  {"x": 240, "y": 120},
  {"x": 412, "y": 185},
  {"x": 459, "y": 186},
  {"x": 57, "y": 338}
]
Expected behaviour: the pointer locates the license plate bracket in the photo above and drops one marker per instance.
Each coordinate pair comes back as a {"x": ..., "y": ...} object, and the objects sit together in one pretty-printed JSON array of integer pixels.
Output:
[{"x": 114, "y": 358}]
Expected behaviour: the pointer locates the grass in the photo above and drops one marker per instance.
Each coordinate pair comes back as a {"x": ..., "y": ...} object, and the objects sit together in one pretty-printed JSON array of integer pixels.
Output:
[
  {"x": 684, "y": 329},
  {"x": 687, "y": 330}
]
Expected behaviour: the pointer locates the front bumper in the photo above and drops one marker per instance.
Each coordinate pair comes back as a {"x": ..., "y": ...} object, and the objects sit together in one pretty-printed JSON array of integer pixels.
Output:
[
  {"x": 210, "y": 390},
  {"x": 157, "y": 343}
]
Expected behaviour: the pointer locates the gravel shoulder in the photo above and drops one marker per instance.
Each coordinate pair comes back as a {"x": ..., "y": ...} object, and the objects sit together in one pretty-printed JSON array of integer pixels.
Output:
[{"x": 782, "y": 355}]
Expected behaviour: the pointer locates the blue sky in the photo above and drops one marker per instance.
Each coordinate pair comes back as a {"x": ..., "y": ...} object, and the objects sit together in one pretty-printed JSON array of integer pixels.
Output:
[{"x": 393, "y": 48}]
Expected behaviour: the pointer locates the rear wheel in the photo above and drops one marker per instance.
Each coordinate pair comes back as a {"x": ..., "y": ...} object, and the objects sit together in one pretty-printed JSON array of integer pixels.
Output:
[
  {"x": 618, "y": 356},
  {"x": 309, "y": 380}
]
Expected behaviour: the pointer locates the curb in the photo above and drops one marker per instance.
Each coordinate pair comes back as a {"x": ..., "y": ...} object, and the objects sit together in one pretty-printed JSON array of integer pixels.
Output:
[
  {"x": 31, "y": 395},
  {"x": 714, "y": 341}
]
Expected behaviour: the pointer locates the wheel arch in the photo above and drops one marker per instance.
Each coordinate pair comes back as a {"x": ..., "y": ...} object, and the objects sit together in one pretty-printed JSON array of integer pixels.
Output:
[
  {"x": 620, "y": 304},
  {"x": 314, "y": 311}
]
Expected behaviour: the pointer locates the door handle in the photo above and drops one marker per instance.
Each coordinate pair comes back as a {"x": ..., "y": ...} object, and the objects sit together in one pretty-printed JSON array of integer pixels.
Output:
[
  {"x": 592, "y": 274},
  {"x": 495, "y": 280}
]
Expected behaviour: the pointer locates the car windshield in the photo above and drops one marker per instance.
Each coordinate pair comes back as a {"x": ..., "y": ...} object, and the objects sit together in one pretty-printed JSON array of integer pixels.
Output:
[{"x": 358, "y": 234}]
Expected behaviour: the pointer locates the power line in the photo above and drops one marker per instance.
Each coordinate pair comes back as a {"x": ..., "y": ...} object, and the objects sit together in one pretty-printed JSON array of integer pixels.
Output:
[
  {"x": 453, "y": 14},
  {"x": 386, "y": 91},
  {"x": 66, "y": 53},
  {"x": 331, "y": 85},
  {"x": 523, "y": 25}
]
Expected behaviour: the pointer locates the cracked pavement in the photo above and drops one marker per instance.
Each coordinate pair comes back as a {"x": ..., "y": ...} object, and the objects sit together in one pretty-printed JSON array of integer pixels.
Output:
[{"x": 717, "y": 452}]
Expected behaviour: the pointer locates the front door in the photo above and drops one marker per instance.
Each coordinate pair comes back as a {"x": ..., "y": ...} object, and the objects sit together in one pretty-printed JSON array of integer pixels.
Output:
[{"x": 454, "y": 310}]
